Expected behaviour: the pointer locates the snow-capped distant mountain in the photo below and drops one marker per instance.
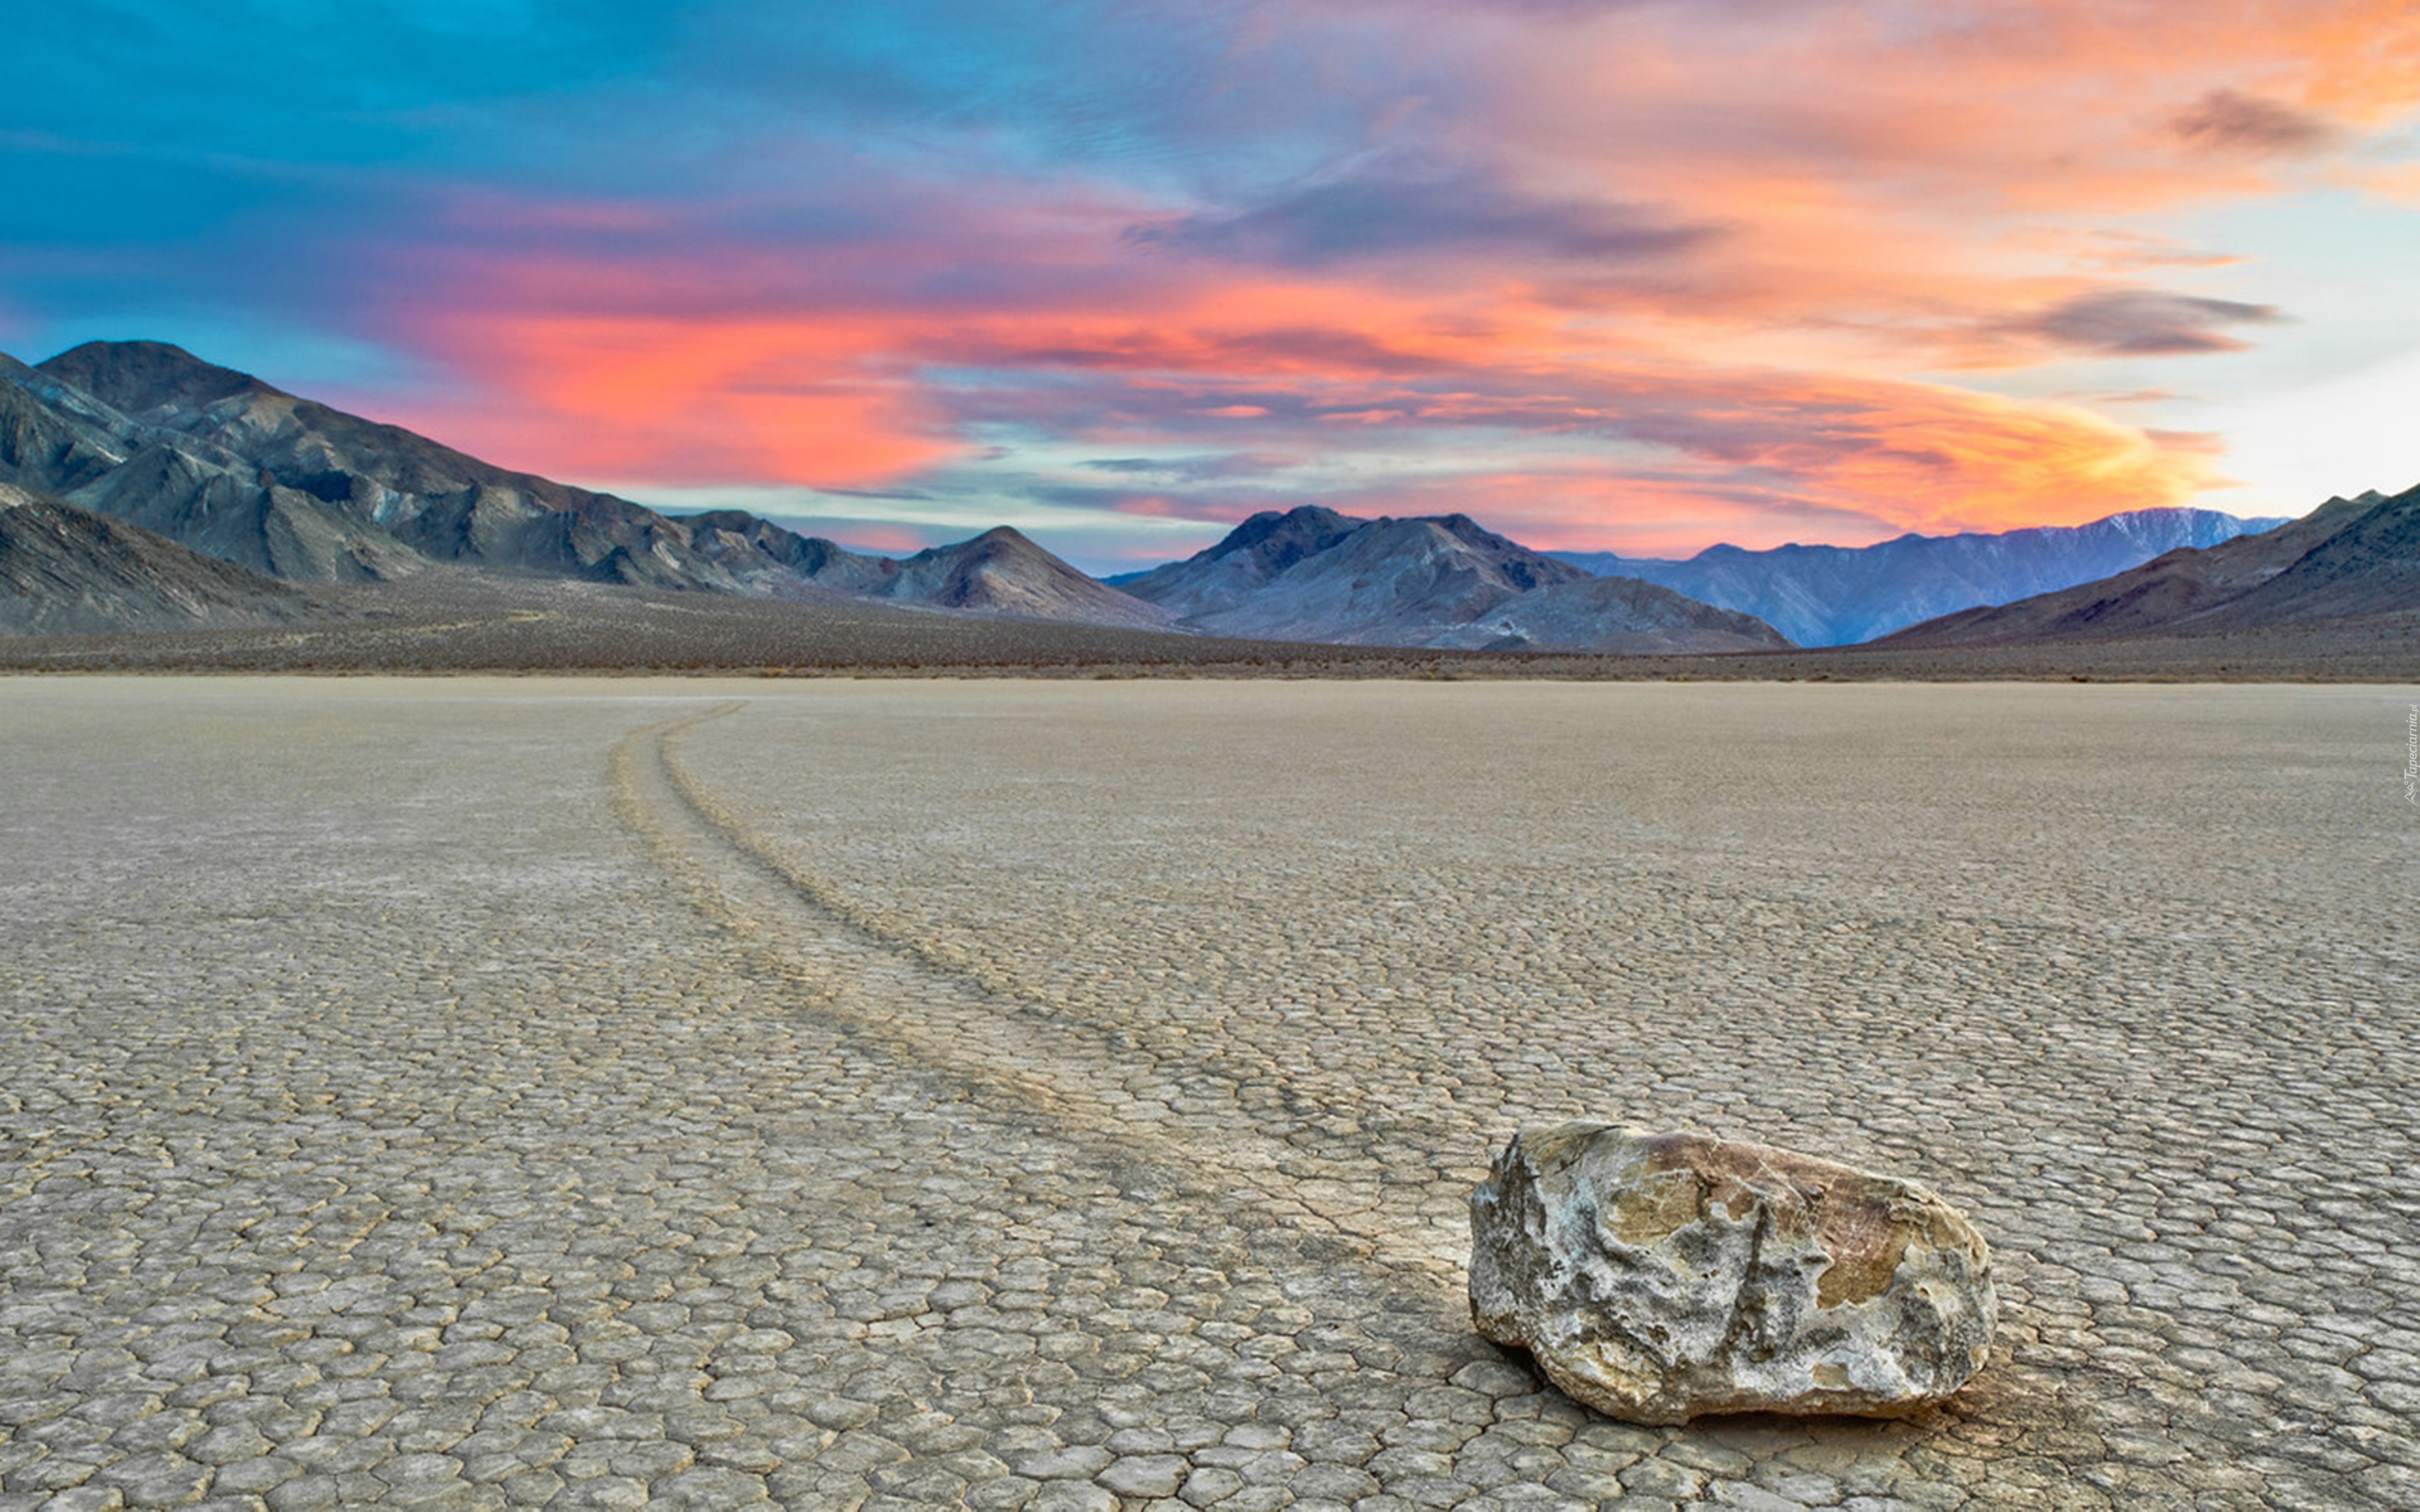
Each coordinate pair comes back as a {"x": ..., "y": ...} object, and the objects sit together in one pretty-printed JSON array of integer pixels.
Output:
[
  {"x": 2350, "y": 563},
  {"x": 1828, "y": 596}
]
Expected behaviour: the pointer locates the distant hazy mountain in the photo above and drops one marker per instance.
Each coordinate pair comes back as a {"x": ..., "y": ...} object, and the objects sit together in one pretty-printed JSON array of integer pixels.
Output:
[
  {"x": 2351, "y": 558},
  {"x": 69, "y": 571},
  {"x": 1314, "y": 575},
  {"x": 225, "y": 464},
  {"x": 1825, "y": 596}
]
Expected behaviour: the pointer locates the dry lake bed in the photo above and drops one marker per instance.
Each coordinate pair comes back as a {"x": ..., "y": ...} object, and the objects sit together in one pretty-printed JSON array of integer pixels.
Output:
[{"x": 480, "y": 1093}]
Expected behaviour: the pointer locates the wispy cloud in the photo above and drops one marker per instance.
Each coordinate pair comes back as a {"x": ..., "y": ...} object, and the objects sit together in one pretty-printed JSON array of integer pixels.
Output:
[
  {"x": 1590, "y": 266},
  {"x": 2148, "y": 322},
  {"x": 1396, "y": 212},
  {"x": 2229, "y": 120}
]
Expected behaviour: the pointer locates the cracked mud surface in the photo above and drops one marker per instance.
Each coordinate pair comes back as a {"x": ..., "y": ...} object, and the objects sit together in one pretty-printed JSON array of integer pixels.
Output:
[{"x": 468, "y": 1094}]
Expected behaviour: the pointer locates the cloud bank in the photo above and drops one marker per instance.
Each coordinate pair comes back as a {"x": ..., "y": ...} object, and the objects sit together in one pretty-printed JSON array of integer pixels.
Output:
[{"x": 1627, "y": 272}]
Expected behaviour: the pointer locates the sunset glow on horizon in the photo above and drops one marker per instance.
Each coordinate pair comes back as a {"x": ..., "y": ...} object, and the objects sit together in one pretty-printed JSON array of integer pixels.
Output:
[{"x": 1627, "y": 274}]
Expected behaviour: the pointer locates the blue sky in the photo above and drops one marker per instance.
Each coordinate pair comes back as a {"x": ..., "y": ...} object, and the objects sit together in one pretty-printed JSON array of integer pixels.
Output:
[{"x": 1604, "y": 274}]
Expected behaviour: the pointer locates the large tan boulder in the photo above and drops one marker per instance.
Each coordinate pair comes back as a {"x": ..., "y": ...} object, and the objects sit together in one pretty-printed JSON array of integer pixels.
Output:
[{"x": 1660, "y": 1277}]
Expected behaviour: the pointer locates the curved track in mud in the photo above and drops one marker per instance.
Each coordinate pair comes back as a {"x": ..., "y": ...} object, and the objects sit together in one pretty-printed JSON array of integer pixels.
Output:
[
  {"x": 1099, "y": 1080},
  {"x": 595, "y": 1094}
]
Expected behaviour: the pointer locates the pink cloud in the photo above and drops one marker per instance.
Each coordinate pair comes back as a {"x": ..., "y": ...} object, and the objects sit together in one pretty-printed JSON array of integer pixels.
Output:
[{"x": 1720, "y": 243}]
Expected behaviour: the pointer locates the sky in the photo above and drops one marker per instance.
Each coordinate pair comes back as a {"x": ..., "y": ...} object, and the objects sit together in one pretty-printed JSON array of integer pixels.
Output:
[{"x": 1638, "y": 275}]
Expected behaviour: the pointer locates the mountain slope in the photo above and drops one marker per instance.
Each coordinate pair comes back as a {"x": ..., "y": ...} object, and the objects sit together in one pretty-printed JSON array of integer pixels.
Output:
[
  {"x": 436, "y": 501},
  {"x": 1822, "y": 595},
  {"x": 234, "y": 468},
  {"x": 58, "y": 439},
  {"x": 1241, "y": 564},
  {"x": 745, "y": 546},
  {"x": 49, "y": 440},
  {"x": 1314, "y": 575},
  {"x": 69, "y": 571},
  {"x": 2346, "y": 560},
  {"x": 1001, "y": 572},
  {"x": 998, "y": 572},
  {"x": 1613, "y": 616}
]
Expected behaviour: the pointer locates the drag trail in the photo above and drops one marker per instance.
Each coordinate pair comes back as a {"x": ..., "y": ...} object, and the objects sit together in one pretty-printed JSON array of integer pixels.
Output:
[
  {"x": 594, "y": 1093},
  {"x": 1105, "y": 1081}
]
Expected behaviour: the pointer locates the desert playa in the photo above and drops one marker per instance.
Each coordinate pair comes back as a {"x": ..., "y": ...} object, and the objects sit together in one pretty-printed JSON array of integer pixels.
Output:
[{"x": 1057, "y": 1095}]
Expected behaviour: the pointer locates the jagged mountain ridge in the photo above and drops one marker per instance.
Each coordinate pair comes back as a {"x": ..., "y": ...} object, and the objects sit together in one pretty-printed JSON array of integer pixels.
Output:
[
  {"x": 70, "y": 571},
  {"x": 247, "y": 474},
  {"x": 439, "y": 504},
  {"x": 58, "y": 439},
  {"x": 1822, "y": 595},
  {"x": 998, "y": 572},
  {"x": 244, "y": 472},
  {"x": 1225, "y": 574},
  {"x": 2349, "y": 559},
  {"x": 741, "y": 542},
  {"x": 1314, "y": 574}
]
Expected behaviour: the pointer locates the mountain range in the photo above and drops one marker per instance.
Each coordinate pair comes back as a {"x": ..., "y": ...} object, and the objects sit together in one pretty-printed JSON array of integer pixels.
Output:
[
  {"x": 1311, "y": 574},
  {"x": 219, "y": 461},
  {"x": 142, "y": 487},
  {"x": 216, "y": 460},
  {"x": 998, "y": 572},
  {"x": 1828, "y": 596},
  {"x": 2348, "y": 562}
]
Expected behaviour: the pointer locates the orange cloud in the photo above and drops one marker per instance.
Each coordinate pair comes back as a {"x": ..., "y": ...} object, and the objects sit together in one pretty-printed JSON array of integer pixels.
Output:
[
  {"x": 1699, "y": 257},
  {"x": 1845, "y": 458},
  {"x": 1477, "y": 394},
  {"x": 1887, "y": 176},
  {"x": 800, "y": 399}
]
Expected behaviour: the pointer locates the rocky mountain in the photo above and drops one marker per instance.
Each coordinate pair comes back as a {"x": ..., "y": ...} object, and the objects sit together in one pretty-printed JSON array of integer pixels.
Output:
[
  {"x": 2349, "y": 559},
  {"x": 1614, "y": 617},
  {"x": 355, "y": 478},
  {"x": 1221, "y": 578},
  {"x": 1315, "y": 575},
  {"x": 782, "y": 563},
  {"x": 233, "y": 468},
  {"x": 1001, "y": 572},
  {"x": 998, "y": 572},
  {"x": 56, "y": 439},
  {"x": 1825, "y": 596},
  {"x": 69, "y": 571}
]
